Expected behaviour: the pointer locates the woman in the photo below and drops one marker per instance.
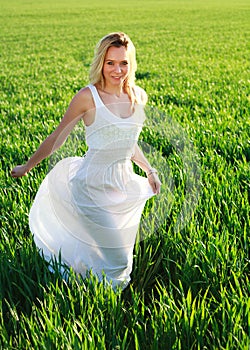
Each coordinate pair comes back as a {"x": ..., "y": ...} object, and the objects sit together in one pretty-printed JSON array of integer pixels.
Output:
[{"x": 87, "y": 209}]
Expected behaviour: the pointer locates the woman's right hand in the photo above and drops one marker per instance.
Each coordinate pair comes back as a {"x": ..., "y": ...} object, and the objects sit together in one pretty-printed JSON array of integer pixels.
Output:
[{"x": 19, "y": 170}]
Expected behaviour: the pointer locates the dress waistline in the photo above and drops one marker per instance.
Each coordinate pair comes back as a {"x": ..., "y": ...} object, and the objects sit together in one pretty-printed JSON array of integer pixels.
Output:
[{"x": 107, "y": 156}]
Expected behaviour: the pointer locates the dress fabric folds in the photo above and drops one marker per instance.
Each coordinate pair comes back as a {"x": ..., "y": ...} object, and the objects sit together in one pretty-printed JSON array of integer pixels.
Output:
[{"x": 88, "y": 209}]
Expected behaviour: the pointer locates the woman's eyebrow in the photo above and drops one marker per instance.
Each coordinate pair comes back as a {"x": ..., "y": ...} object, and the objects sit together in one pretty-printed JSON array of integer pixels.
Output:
[{"x": 109, "y": 59}]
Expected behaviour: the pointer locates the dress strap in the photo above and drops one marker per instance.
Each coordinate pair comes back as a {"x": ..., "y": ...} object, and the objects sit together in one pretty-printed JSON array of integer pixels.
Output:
[{"x": 96, "y": 97}]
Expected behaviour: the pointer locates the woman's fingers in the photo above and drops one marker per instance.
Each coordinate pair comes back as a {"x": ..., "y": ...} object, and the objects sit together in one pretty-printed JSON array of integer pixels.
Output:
[
  {"x": 18, "y": 171},
  {"x": 154, "y": 182}
]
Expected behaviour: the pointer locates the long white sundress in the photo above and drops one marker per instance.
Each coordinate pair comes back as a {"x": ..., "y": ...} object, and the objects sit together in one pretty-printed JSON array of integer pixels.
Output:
[{"x": 88, "y": 209}]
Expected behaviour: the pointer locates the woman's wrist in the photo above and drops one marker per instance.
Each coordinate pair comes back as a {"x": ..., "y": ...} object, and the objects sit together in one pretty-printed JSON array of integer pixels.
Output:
[
  {"x": 151, "y": 171},
  {"x": 27, "y": 167}
]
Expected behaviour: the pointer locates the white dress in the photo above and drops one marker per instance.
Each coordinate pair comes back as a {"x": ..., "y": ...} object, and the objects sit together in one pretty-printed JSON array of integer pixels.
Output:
[{"x": 88, "y": 209}]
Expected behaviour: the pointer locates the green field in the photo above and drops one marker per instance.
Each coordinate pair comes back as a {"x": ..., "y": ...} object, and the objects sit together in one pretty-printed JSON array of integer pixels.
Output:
[{"x": 190, "y": 286}]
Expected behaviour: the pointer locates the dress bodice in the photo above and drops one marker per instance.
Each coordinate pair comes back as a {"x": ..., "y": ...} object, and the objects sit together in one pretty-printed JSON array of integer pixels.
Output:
[{"x": 109, "y": 131}]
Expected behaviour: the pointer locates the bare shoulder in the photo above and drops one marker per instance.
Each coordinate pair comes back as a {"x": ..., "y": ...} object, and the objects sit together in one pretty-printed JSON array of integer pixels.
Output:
[
  {"x": 85, "y": 99},
  {"x": 141, "y": 93}
]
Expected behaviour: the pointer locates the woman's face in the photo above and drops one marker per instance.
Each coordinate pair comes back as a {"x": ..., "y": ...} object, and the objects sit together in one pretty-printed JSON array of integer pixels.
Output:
[{"x": 116, "y": 66}]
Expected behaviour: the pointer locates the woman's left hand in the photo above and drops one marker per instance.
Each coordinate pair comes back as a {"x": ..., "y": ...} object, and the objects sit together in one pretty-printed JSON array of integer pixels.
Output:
[{"x": 154, "y": 182}]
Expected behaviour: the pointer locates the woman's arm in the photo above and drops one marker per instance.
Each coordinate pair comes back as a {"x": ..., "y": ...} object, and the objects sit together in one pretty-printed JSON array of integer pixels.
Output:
[
  {"x": 139, "y": 159},
  {"x": 76, "y": 110}
]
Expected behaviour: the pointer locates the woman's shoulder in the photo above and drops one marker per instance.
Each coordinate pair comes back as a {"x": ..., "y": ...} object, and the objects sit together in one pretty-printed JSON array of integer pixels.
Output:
[
  {"x": 84, "y": 96},
  {"x": 85, "y": 92},
  {"x": 141, "y": 95}
]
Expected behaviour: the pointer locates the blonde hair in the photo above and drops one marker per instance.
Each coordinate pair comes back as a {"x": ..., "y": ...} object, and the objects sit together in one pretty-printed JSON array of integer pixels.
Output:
[{"x": 116, "y": 39}]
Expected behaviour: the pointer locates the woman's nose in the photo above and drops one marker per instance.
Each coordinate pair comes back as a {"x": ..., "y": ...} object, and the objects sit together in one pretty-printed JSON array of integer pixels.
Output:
[{"x": 117, "y": 68}]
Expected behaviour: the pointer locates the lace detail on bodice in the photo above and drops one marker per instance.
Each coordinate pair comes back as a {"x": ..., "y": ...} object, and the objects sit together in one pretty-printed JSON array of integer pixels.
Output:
[{"x": 109, "y": 131}]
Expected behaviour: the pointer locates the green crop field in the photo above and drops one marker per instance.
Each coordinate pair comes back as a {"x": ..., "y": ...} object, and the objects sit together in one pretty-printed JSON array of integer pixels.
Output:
[{"x": 190, "y": 282}]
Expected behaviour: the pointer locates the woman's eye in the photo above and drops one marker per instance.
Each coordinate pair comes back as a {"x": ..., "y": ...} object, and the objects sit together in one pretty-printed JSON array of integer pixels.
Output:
[{"x": 124, "y": 63}]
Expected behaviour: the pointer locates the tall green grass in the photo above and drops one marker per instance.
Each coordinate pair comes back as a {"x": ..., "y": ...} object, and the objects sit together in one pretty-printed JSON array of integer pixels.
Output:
[{"x": 190, "y": 287}]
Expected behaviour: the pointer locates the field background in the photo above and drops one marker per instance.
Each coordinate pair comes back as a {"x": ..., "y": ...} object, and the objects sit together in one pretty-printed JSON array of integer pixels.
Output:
[{"x": 190, "y": 287}]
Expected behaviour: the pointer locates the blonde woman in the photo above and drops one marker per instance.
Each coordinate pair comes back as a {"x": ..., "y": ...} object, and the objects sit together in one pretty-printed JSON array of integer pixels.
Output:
[{"x": 88, "y": 209}]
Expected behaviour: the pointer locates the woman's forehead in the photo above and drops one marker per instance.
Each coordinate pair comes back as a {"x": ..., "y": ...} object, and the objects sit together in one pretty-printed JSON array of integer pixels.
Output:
[{"x": 116, "y": 54}]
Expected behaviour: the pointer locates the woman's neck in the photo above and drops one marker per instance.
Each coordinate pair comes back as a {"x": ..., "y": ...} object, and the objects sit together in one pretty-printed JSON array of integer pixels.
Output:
[{"x": 116, "y": 91}]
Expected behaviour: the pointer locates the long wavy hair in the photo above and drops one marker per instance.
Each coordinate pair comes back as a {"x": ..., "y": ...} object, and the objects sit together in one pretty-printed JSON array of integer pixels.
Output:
[{"x": 116, "y": 39}]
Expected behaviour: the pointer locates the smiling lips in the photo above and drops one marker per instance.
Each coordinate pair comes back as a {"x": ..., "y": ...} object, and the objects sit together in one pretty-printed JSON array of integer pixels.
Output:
[{"x": 117, "y": 78}]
